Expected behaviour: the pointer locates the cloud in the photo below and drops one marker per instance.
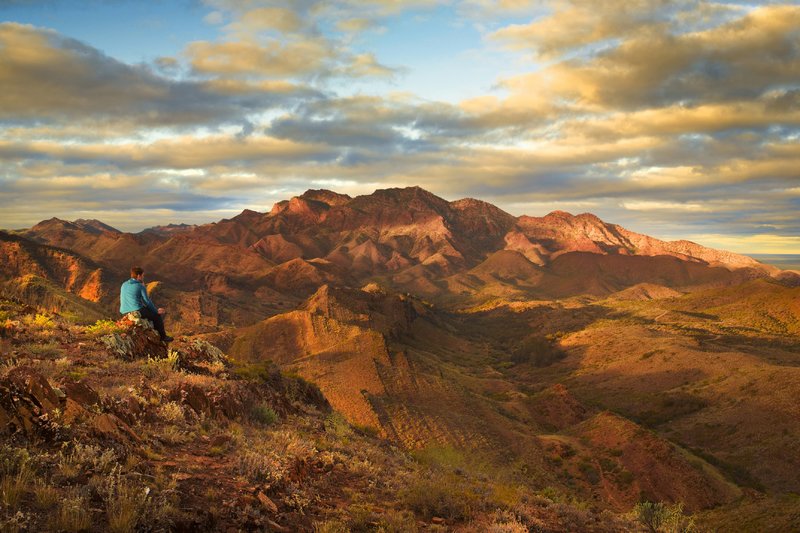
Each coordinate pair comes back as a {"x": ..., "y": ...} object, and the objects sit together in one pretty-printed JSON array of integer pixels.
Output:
[
  {"x": 739, "y": 59},
  {"x": 355, "y": 25},
  {"x": 649, "y": 205},
  {"x": 277, "y": 39},
  {"x": 48, "y": 77},
  {"x": 177, "y": 152},
  {"x": 575, "y": 24},
  {"x": 249, "y": 59},
  {"x": 764, "y": 243},
  {"x": 214, "y": 17},
  {"x": 267, "y": 18},
  {"x": 664, "y": 116}
]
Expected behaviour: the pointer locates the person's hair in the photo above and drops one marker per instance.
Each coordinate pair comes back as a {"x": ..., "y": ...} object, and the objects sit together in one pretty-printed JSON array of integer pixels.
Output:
[{"x": 136, "y": 272}]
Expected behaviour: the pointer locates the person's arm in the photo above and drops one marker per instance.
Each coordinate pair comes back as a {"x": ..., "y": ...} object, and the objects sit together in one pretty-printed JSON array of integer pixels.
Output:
[{"x": 145, "y": 300}]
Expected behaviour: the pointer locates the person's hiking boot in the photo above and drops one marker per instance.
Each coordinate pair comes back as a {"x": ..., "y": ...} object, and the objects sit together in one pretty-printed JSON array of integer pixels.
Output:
[{"x": 167, "y": 339}]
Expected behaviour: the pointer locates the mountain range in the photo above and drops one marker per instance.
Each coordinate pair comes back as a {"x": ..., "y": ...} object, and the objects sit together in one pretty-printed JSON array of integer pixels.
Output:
[
  {"x": 236, "y": 271},
  {"x": 562, "y": 350}
]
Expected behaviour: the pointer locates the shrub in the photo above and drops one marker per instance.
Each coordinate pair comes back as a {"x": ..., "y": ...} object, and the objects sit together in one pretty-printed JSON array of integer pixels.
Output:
[
  {"x": 337, "y": 426},
  {"x": 160, "y": 368},
  {"x": 445, "y": 456},
  {"x": 662, "y": 518},
  {"x": 172, "y": 412},
  {"x": 85, "y": 457},
  {"x": 39, "y": 321},
  {"x": 506, "y": 522},
  {"x": 263, "y": 414},
  {"x": 260, "y": 465},
  {"x": 398, "y": 522},
  {"x": 103, "y": 327}
]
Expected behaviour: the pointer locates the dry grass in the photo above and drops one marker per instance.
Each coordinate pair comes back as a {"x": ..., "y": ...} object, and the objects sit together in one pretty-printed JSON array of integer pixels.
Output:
[
  {"x": 72, "y": 514},
  {"x": 14, "y": 486},
  {"x": 48, "y": 350},
  {"x": 46, "y": 496},
  {"x": 125, "y": 501}
]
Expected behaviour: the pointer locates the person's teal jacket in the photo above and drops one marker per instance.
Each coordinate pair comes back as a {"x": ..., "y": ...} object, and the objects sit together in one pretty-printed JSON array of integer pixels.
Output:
[{"x": 133, "y": 296}]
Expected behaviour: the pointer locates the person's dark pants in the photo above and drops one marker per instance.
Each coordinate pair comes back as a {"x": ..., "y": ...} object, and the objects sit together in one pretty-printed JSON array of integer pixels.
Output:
[{"x": 155, "y": 318}]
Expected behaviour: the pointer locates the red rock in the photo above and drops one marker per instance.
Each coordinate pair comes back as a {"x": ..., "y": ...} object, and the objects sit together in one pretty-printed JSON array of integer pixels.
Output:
[
  {"x": 74, "y": 412},
  {"x": 267, "y": 503},
  {"x": 81, "y": 393},
  {"x": 109, "y": 426},
  {"x": 34, "y": 384},
  {"x": 192, "y": 395}
]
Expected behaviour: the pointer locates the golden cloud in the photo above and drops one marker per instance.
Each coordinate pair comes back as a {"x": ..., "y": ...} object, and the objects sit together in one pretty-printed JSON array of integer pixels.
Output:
[
  {"x": 250, "y": 58},
  {"x": 179, "y": 152},
  {"x": 738, "y": 59},
  {"x": 270, "y": 18}
]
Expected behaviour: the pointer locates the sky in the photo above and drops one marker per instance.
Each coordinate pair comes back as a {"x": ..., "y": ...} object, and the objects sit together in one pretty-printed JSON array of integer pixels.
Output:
[{"x": 675, "y": 118}]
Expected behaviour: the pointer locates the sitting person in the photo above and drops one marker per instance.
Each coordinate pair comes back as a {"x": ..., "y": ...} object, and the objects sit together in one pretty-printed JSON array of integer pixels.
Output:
[{"x": 133, "y": 297}]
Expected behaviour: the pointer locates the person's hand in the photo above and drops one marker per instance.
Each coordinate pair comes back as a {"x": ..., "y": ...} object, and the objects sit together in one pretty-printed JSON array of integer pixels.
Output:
[{"x": 162, "y": 311}]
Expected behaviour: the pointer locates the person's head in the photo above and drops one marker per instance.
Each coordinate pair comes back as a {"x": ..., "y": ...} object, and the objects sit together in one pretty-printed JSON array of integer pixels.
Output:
[{"x": 137, "y": 273}]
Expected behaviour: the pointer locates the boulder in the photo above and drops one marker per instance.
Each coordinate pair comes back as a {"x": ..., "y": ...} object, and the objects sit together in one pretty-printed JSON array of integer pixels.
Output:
[{"x": 138, "y": 340}]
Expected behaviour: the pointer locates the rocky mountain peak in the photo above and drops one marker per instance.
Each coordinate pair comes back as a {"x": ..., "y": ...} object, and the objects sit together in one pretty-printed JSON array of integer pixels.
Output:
[
  {"x": 89, "y": 224},
  {"x": 326, "y": 196}
]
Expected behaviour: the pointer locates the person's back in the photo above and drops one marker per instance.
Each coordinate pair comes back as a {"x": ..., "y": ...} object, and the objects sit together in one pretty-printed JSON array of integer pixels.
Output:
[{"x": 133, "y": 297}]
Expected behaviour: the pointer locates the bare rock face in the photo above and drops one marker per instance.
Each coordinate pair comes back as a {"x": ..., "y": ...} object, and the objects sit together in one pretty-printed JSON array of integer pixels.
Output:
[{"x": 138, "y": 341}]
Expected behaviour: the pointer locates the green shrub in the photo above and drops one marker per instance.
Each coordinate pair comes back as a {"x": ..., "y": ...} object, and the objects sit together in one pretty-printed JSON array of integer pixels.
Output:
[
  {"x": 263, "y": 370},
  {"x": 40, "y": 321},
  {"x": 263, "y": 414},
  {"x": 662, "y": 518},
  {"x": 103, "y": 327},
  {"x": 337, "y": 426}
]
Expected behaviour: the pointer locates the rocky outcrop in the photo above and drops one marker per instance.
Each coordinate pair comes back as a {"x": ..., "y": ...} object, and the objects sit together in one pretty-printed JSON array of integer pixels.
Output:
[
  {"x": 200, "y": 357},
  {"x": 138, "y": 340},
  {"x": 27, "y": 402}
]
